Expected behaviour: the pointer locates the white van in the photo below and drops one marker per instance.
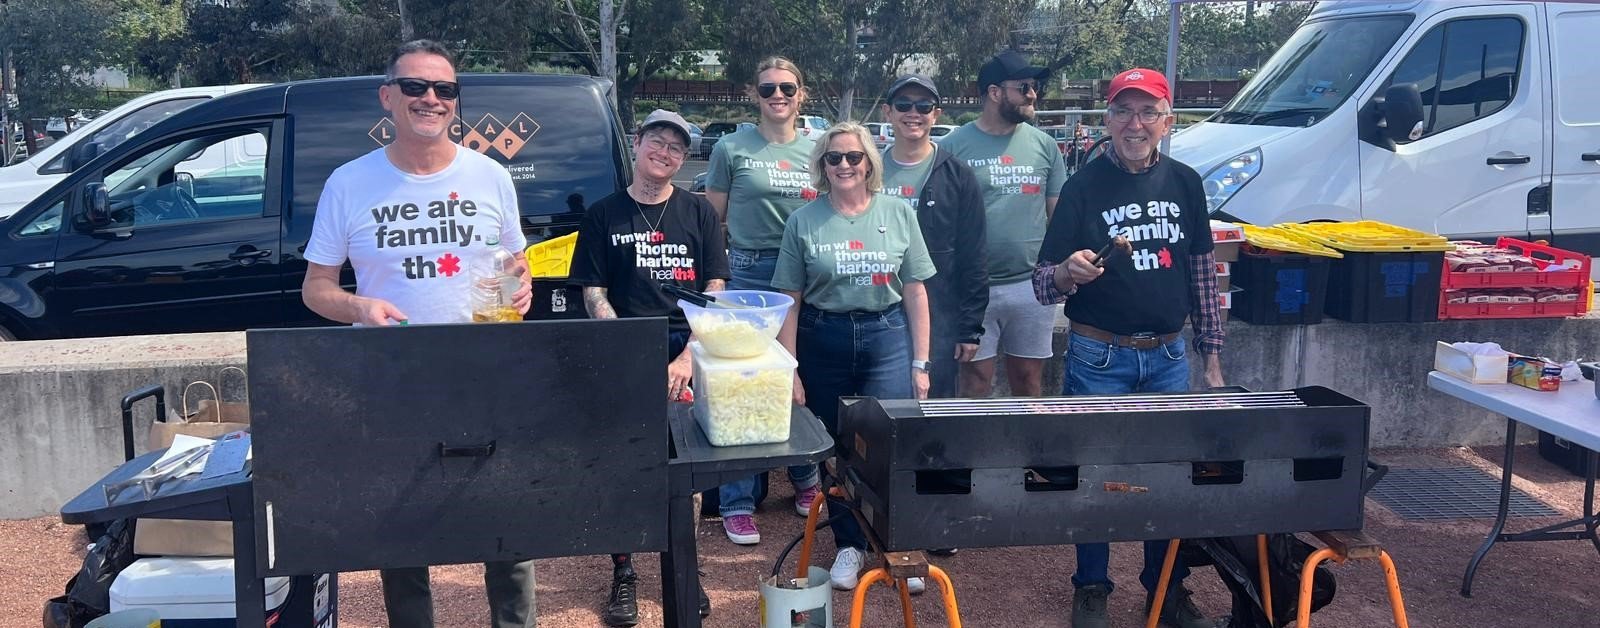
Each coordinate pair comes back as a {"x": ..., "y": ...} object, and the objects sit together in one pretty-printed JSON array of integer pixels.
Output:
[
  {"x": 22, "y": 182},
  {"x": 1504, "y": 139}
]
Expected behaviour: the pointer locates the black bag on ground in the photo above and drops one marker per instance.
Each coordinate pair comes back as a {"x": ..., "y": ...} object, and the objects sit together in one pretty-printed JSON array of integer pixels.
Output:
[
  {"x": 88, "y": 594},
  {"x": 1237, "y": 564}
]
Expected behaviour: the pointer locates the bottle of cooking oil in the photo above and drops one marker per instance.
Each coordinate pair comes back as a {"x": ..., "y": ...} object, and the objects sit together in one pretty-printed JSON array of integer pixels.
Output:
[{"x": 495, "y": 283}]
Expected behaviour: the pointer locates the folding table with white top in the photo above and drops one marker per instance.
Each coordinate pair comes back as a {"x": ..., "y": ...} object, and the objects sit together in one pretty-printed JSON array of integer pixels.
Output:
[{"x": 1571, "y": 413}]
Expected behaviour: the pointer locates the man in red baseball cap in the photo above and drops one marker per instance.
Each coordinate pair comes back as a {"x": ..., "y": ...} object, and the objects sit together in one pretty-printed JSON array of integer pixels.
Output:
[{"x": 1128, "y": 309}]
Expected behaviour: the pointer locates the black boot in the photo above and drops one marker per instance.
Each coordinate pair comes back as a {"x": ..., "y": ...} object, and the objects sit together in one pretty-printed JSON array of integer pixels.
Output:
[{"x": 622, "y": 608}]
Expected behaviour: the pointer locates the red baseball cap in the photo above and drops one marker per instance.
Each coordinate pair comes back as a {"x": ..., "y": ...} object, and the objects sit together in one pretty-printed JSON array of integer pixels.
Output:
[{"x": 1145, "y": 80}]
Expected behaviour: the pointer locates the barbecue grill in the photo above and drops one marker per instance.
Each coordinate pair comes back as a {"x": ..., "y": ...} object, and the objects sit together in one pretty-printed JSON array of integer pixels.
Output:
[{"x": 1065, "y": 470}]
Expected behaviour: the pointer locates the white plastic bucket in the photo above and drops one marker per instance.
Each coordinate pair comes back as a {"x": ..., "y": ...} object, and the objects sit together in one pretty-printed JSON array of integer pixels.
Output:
[{"x": 809, "y": 606}]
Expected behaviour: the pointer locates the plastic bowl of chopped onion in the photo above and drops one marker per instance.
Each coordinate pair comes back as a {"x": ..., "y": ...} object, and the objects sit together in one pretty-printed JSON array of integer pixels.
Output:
[{"x": 738, "y": 332}]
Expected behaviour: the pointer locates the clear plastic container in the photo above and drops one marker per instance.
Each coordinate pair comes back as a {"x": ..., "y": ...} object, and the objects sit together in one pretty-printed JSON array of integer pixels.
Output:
[
  {"x": 494, "y": 286},
  {"x": 738, "y": 332},
  {"x": 743, "y": 401}
]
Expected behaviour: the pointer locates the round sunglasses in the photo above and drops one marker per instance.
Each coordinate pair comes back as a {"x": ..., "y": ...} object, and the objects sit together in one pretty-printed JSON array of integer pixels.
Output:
[
  {"x": 415, "y": 87},
  {"x": 833, "y": 157},
  {"x": 765, "y": 90}
]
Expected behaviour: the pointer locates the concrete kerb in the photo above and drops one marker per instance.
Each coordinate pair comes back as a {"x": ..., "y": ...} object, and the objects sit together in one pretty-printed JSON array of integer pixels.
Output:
[{"x": 60, "y": 423}]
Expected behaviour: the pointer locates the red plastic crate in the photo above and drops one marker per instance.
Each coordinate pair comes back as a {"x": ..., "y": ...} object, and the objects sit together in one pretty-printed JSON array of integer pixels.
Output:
[
  {"x": 1543, "y": 256},
  {"x": 1511, "y": 310}
]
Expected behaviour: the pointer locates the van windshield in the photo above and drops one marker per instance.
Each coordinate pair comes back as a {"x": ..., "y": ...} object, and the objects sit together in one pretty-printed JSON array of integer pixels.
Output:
[{"x": 1315, "y": 71}]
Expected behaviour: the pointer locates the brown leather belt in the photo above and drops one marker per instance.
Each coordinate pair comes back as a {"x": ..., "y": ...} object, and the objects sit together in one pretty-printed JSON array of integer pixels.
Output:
[{"x": 1135, "y": 341}]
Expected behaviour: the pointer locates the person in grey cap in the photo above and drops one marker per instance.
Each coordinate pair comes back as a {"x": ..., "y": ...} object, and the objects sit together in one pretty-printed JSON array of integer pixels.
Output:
[
  {"x": 1020, "y": 172},
  {"x": 629, "y": 244},
  {"x": 949, "y": 205}
]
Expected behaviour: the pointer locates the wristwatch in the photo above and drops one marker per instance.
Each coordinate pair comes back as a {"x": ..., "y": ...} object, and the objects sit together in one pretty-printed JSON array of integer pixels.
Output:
[{"x": 921, "y": 365}]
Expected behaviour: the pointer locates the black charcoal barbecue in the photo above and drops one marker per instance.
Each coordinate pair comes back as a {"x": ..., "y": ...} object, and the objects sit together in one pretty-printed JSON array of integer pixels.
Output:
[{"x": 1063, "y": 470}]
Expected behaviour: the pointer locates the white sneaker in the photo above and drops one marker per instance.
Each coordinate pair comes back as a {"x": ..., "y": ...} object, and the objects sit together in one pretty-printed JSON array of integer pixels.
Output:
[
  {"x": 846, "y": 569},
  {"x": 916, "y": 585}
]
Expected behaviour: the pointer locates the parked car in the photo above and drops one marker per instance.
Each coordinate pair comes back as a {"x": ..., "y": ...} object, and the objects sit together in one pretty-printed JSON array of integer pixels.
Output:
[
  {"x": 882, "y": 134},
  {"x": 938, "y": 131},
  {"x": 22, "y": 182},
  {"x": 1467, "y": 119},
  {"x": 696, "y": 135},
  {"x": 811, "y": 125},
  {"x": 714, "y": 132},
  {"x": 137, "y": 241},
  {"x": 699, "y": 184}
]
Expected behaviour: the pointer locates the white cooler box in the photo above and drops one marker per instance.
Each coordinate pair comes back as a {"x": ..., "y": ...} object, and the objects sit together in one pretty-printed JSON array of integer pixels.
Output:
[{"x": 188, "y": 592}]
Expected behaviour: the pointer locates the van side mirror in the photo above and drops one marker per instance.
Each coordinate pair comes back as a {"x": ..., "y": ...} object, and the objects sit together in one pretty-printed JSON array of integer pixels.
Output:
[
  {"x": 97, "y": 206},
  {"x": 1402, "y": 112}
]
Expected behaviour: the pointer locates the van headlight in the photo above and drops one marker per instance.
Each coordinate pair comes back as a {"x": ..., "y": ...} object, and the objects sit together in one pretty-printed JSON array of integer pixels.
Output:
[{"x": 1227, "y": 178}]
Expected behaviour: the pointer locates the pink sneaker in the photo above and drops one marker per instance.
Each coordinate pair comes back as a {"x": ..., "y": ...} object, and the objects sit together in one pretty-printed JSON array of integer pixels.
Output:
[
  {"x": 741, "y": 529},
  {"x": 804, "y": 498}
]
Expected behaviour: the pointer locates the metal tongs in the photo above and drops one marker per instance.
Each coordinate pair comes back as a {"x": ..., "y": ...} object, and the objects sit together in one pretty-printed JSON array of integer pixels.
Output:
[
  {"x": 160, "y": 472},
  {"x": 1117, "y": 245},
  {"x": 702, "y": 299}
]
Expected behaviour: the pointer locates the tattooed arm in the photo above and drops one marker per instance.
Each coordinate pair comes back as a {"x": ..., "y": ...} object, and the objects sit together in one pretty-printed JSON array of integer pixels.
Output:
[{"x": 594, "y": 300}]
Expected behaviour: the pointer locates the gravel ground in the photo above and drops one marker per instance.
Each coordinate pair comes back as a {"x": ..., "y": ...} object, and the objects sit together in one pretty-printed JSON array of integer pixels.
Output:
[{"x": 1525, "y": 584}]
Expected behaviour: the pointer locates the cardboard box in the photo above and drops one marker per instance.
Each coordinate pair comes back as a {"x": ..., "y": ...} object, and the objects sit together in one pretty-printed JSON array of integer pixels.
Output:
[
  {"x": 1475, "y": 368},
  {"x": 1223, "y": 232},
  {"x": 1227, "y": 252},
  {"x": 1534, "y": 373},
  {"x": 1224, "y": 276}
]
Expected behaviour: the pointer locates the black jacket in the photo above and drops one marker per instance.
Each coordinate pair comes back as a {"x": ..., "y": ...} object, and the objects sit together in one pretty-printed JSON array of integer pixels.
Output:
[{"x": 951, "y": 214}]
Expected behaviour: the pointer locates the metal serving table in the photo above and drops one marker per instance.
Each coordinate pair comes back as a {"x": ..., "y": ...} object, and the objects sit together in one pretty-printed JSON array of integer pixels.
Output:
[{"x": 1572, "y": 413}]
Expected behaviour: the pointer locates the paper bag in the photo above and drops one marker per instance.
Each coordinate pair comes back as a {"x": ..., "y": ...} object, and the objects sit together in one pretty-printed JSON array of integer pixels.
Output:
[{"x": 207, "y": 418}]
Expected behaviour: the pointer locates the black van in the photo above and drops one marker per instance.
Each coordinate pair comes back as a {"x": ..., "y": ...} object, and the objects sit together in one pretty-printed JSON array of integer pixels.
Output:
[{"x": 199, "y": 223}]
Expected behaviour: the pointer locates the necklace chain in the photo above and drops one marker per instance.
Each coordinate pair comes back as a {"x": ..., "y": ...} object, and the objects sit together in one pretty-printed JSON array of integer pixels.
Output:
[{"x": 646, "y": 219}]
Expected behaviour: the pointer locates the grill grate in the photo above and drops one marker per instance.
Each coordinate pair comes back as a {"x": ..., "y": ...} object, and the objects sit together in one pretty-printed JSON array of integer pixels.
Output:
[
  {"x": 1451, "y": 493},
  {"x": 1119, "y": 403}
]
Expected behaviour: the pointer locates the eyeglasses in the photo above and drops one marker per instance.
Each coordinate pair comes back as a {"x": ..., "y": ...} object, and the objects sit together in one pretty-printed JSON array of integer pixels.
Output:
[
  {"x": 415, "y": 87},
  {"x": 673, "y": 148},
  {"x": 833, "y": 157},
  {"x": 924, "y": 107},
  {"x": 765, "y": 90},
  {"x": 1024, "y": 88},
  {"x": 1122, "y": 115}
]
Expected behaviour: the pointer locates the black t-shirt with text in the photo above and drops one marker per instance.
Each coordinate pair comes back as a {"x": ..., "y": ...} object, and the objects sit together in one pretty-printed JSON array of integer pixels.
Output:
[
  {"x": 682, "y": 244},
  {"x": 1162, "y": 213}
]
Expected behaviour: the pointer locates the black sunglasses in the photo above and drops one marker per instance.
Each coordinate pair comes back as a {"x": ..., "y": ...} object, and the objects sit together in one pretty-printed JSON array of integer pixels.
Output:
[
  {"x": 1023, "y": 88},
  {"x": 833, "y": 157},
  {"x": 765, "y": 90},
  {"x": 924, "y": 107},
  {"x": 415, "y": 87}
]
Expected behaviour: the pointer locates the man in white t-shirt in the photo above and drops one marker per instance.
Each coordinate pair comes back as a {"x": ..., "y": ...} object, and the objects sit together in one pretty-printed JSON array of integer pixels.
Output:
[{"x": 413, "y": 219}]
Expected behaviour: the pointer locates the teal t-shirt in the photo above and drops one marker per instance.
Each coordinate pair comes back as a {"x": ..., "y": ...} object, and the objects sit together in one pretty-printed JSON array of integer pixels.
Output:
[
  {"x": 764, "y": 182},
  {"x": 841, "y": 264},
  {"x": 905, "y": 182},
  {"x": 1017, "y": 173}
]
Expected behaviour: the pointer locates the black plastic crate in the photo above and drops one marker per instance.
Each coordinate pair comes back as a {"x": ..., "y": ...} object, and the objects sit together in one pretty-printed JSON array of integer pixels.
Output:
[
  {"x": 1385, "y": 287},
  {"x": 1280, "y": 289},
  {"x": 553, "y": 299},
  {"x": 1563, "y": 453}
]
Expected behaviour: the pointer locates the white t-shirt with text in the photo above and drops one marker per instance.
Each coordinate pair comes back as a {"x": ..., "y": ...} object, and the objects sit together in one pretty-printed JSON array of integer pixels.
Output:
[{"x": 414, "y": 239}]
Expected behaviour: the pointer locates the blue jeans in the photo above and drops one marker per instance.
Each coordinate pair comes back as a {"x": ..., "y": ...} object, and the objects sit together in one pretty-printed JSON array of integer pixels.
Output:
[
  {"x": 852, "y": 353},
  {"x": 1098, "y": 368},
  {"x": 752, "y": 270}
]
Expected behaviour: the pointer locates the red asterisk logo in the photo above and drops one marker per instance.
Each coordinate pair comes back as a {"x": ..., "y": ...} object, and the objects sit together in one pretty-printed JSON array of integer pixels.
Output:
[
  {"x": 449, "y": 265},
  {"x": 783, "y": 164},
  {"x": 454, "y": 196},
  {"x": 808, "y": 194},
  {"x": 906, "y": 191},
  {"x": 1030, "y": 188},
  {"x": 1007, "y": 160},
  {"x": 1164, "y": 257}
]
